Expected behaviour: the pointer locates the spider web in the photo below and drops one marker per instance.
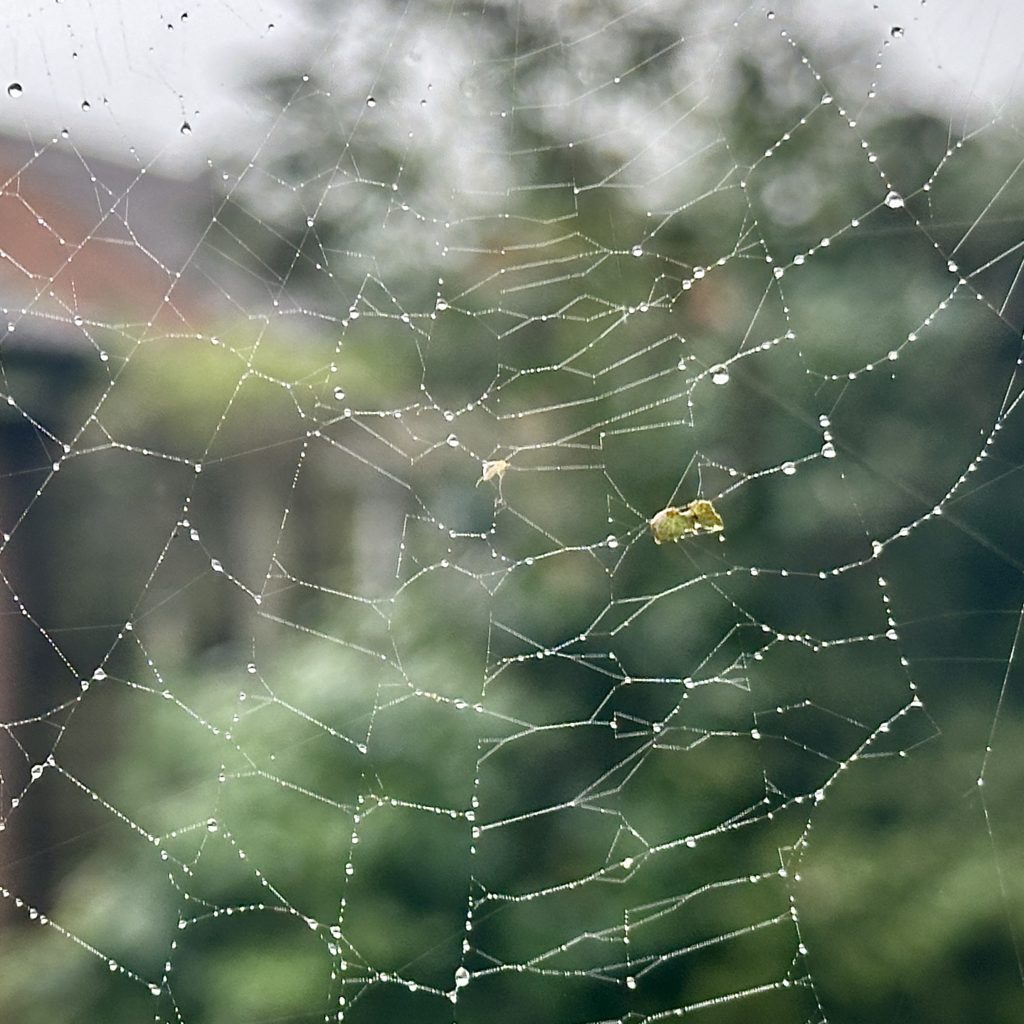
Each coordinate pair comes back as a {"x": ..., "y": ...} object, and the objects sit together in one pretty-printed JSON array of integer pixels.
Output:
[{"x": 349, "y": 352}]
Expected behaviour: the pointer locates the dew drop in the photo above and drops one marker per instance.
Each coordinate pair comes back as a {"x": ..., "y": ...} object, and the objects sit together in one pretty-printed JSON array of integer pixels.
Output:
[
  {"x": 14, "y": 90},
  {"x": 894, "y": 200},
  {"x": 789, "y": 468},
  {"x": 719, "y": 374},
  {"x": 452, "y": 441},
  {"x": 611, "y": 540},
  {"x": 828, "y": 450},
  {"x": 461, "y": 978},
  {"x": 371, "y": 101}
]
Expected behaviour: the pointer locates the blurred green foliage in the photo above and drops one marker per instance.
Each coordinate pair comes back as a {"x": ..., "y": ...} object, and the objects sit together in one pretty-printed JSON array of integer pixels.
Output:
[{"x": 515, "y": 658}]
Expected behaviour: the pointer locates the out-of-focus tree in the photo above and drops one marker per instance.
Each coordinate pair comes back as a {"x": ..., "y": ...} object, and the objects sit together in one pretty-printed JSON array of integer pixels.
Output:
[{"x": 555, "y": 231}]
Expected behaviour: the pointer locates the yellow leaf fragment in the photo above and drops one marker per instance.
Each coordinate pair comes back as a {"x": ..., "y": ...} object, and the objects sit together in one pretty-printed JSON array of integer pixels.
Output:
[{"x": 672, "y": 523}]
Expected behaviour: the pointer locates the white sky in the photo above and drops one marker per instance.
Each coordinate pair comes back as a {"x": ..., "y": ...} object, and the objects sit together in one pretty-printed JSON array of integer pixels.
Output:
[{"x": 144, "y": 67}]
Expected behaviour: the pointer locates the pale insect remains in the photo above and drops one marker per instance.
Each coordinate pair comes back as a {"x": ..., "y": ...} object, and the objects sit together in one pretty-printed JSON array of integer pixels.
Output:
[
  {"x": 492, "y": 469},
  {"x": 674, "y": 523}
]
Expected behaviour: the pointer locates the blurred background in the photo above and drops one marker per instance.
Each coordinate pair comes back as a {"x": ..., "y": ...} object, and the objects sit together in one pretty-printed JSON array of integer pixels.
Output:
[{"x": 347, "y": 350}]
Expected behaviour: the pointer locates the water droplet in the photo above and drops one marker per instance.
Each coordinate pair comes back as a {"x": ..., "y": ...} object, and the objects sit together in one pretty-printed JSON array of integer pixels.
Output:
[
  {"x": 14, "y": 90},
  {"x": 37, "y": 771},
  {"x": 370, "y": 101},
  {"x": 215, "y": 565},
  {"x": 452, "y": 441},
  {"x": 611, "y": 540},
  {"x": 896, "y": 32},
  {"x": 211, "y": 825},
  {"x": 719, "y": 374},
  {"x": 637, "y": 250},
  {"x": 789, "y": 468},
  {"x": 894, "y": 200},
  {"x": 186, "y": 128},
  {"x": 461, "y": 978},
  {"x": 338, "y": 394},
  {"x": 828, "y": 450},
  {"x": 630, "y": 982}
]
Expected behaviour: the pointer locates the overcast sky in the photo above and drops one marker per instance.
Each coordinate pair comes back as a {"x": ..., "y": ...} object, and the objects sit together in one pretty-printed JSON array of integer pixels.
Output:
[{"x": 119, "y": 74}]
